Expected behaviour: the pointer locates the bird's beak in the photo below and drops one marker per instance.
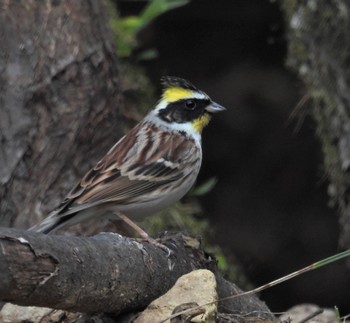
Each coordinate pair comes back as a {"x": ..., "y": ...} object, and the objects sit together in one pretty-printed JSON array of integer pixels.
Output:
[{"x": 214, "y": 107}]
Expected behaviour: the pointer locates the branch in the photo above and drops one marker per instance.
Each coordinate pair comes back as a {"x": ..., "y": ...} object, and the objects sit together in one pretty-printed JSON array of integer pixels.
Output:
[{"x": 103, "y": 273}]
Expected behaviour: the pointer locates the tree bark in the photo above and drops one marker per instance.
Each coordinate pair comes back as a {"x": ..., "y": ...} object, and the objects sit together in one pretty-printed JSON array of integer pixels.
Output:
[
  {"x": 59, "y": 101},
  {"x": 103, "y": 273},
  {"x": 319, "y": 42}
]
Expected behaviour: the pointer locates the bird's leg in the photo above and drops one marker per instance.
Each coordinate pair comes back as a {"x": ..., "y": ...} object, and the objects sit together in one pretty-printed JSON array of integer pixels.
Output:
[{"x": 143, "y": 234}]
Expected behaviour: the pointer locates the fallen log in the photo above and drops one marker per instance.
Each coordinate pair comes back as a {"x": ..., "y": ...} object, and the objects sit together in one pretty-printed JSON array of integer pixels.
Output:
[{"x": 106, "y": 273}]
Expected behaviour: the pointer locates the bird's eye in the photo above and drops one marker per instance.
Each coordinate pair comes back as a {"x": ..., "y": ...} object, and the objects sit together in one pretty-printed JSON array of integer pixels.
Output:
[{"x": 190, "y": 104}]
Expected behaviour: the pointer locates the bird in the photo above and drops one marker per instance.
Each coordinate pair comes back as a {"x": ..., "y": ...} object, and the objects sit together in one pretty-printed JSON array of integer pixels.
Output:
[{"x": 154, "y": 165}]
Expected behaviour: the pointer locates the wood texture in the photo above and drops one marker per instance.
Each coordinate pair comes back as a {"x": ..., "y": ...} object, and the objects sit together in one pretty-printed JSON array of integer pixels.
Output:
[
  {"x": 59, "y": 101},
  {"x": 104, "y": 273}
]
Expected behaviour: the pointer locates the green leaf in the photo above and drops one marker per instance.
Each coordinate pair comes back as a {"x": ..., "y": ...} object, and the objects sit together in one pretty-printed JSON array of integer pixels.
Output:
[
  {"x": 148, "y": 54},
  {"x": 127, "y": 28},
  {"x": 205, "y": 188}
]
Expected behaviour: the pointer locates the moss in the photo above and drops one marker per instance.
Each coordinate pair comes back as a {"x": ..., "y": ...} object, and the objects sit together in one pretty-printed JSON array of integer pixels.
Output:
[
  {"x": 185, "y": 217},
  {"x": 323, "y": 105},
  {"x": 319, "y": 43}
]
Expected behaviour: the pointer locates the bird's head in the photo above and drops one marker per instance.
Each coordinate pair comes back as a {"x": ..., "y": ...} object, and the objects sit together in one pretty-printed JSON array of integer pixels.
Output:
[{"x": 184, "y": 107}]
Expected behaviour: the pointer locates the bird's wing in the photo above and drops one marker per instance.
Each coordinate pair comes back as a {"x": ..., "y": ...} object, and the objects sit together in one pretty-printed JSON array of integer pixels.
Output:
[{"x": 141, "y": 162}]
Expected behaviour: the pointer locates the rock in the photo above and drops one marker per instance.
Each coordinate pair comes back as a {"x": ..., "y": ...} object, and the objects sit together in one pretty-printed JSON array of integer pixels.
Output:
[
  {"x": 301, "y": 312},
  {"x": 11, "y": 313},
  {"x": 196, "y": 287}
]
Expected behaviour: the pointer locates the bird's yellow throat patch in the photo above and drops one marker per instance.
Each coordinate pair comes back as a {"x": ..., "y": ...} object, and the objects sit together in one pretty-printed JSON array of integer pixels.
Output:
[
  {"x": 201, "y": 122},
  {"x": 173, "y": 94}
]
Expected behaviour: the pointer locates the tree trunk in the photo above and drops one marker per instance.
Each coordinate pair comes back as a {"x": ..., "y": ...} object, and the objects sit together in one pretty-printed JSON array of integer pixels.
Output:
[
  {"x": 319, "y": 50},
  {"x": 59, "y": 99}
]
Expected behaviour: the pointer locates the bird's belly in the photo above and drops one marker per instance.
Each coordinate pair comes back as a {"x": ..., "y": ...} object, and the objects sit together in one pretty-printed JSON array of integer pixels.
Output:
[{"x": 139, "y": 210}]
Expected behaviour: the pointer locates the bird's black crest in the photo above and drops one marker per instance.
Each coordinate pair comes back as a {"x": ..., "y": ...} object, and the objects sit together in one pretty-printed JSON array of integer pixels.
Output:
[{"x": 173, "y": 81}]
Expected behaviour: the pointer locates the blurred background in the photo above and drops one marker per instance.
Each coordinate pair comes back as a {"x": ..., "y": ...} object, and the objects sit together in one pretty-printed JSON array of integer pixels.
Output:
[{"x": 269, "y": 209}]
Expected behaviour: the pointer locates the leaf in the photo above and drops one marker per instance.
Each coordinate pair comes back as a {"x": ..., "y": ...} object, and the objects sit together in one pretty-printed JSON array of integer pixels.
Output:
[
  {"x": 205, "y": 188},
  {"x": 127, "y": 28}
]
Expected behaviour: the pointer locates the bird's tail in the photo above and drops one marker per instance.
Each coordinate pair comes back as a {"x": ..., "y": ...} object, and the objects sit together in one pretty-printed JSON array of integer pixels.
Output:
[
  {"x": 52, "y": 223},
  {"x": 45, "y": 226}
]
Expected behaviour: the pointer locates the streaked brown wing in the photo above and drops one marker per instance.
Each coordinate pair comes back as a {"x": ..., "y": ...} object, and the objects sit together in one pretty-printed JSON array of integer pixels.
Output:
[{"x": 138, "y": 164}]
